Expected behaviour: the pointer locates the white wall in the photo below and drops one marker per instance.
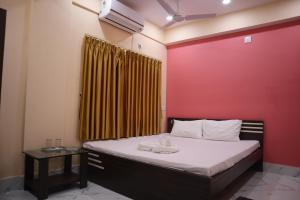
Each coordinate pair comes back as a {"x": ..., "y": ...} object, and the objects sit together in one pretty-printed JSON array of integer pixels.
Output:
[
  {"x": 13, "y": 87},
  {"x": 47, "y": 69}
]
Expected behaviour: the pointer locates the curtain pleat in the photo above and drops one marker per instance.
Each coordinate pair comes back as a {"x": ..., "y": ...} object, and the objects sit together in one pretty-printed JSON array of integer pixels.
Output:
[{"x": 121, "y": 93}]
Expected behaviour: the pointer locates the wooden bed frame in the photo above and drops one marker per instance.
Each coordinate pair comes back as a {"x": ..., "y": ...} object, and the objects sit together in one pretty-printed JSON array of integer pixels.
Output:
[{"x": 139, "y": 180}]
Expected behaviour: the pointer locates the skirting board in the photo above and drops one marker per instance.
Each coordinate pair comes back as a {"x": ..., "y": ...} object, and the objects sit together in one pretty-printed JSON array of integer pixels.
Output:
[
  {"x": 16, "y": 183},
  {"x": 282, "y": 169}
]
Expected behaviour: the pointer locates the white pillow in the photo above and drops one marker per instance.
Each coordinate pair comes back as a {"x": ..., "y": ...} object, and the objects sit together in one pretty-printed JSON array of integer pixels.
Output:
[
  {"x": 228, "y": 130},
  {"x": 191, "y": 129}
]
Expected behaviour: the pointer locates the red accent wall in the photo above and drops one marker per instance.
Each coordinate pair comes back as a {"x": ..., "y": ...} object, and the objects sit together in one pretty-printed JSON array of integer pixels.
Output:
[{"x": 224, "y": 78}]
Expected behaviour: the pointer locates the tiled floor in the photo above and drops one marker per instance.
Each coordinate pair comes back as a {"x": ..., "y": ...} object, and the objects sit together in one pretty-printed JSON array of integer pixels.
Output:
[
  {"x": 257, "y": 186},
  {"x": 268, "y": 186},
  {"x": 92, "y": 192}
]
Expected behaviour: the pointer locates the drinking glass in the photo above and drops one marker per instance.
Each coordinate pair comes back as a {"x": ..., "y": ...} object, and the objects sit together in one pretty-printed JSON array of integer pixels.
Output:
[
  {"x": 48, "y": 143},
  {"x": 58, "y": 142}
]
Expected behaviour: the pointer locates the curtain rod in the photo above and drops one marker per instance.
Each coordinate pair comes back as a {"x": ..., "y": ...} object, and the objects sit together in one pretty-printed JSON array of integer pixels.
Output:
[{"x": 109, "y": 42}]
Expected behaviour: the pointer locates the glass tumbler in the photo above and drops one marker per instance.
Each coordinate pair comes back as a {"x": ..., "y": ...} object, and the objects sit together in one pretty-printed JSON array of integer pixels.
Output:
[
  {"x": 48, "y": 143},
  {"x": 58, "y": 142}
]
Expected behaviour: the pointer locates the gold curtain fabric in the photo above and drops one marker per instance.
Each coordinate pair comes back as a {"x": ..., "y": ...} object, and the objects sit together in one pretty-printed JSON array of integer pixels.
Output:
[
  {"x": 121, "y": 93},
  {"x": 143, "y": 95}
]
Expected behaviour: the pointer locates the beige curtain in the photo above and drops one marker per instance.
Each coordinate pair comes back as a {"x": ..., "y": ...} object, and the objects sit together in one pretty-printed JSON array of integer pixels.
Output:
[{"x": 121, "y": 93}]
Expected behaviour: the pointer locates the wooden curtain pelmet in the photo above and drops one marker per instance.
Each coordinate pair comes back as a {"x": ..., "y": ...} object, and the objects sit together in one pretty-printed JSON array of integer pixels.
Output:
[{"x": 121, "y": 92}]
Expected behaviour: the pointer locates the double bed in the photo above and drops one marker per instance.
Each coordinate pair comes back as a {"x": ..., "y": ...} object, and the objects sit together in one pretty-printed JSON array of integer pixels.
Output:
[{"x": 200, "y": 170}]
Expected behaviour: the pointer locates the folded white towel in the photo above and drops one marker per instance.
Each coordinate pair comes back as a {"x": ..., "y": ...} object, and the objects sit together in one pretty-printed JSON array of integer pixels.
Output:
[
  {"x": 165, "y": 141},
  {"x": 164, "y": 146},
  {"x": 147, "y": 146},
  {"x": 164, "y": 149}
]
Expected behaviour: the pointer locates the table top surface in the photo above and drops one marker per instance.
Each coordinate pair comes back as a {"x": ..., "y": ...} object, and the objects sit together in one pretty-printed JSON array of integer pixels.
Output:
[{"x": 42, "y": 153}]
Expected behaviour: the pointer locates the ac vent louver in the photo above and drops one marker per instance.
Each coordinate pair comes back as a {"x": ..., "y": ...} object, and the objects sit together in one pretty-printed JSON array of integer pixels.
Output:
[{"x": 121, "y": 16}]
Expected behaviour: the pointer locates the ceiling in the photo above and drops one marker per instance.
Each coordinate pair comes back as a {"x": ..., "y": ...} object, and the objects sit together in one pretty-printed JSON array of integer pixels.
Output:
[{"x": 154, "y": 13}]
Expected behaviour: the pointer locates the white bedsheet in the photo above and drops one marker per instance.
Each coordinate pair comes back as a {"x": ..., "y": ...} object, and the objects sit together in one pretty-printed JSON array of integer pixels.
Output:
[{"x": 204, "y": 157}]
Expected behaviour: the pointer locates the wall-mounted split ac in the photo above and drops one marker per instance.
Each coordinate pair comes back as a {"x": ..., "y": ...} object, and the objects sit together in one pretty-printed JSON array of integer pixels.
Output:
[{"x": 121, "y": 16}]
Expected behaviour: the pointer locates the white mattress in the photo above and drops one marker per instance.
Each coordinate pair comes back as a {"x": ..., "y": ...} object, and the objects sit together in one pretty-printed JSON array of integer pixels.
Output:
[{"x": 204, "y": 157}]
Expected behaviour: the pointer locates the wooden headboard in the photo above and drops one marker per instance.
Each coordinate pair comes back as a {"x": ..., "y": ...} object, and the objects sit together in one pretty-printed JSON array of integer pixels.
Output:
[{"x": 251, "y": 129}]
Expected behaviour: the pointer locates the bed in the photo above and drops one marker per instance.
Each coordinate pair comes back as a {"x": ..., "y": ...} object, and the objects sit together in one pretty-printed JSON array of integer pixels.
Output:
[{"x": 119, "y": 166}]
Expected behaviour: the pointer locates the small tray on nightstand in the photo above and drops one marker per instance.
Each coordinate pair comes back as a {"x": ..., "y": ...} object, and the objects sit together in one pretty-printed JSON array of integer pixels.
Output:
[{"x": 53, "y": 149}]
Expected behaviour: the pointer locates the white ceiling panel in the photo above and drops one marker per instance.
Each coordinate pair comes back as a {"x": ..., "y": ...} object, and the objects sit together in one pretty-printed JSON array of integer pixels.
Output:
[{"x": 153, "y": 12}]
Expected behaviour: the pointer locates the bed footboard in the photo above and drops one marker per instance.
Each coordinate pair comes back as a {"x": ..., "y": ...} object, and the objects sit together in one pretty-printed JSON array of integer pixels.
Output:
[
  {"x": 139, "y": 180},
  {"x": 145, "y": 181}
]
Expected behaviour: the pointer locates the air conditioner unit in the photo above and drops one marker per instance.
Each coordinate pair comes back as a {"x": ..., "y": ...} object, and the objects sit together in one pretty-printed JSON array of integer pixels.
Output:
[{"x": 121, "y": 16}]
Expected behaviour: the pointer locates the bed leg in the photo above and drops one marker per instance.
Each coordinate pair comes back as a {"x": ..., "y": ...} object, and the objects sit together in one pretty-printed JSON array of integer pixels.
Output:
[{"x": 259, "y": 166}]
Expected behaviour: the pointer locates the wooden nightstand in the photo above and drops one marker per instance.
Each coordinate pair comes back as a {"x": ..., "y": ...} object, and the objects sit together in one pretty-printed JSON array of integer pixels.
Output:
[{"x": 44, "y": 183}]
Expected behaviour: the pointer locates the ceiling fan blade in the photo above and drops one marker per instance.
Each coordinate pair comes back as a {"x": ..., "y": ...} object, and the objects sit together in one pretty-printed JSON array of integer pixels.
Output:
[
  {"x": 199, "y": 16},
  {"x": 167, "y": 7},
  {"x": 170, "y": 24},
  {"x": 178, "y": 18}
]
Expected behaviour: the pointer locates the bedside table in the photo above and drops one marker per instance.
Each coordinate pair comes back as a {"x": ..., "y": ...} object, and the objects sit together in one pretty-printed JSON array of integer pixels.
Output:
[{"x": 44, "y": 183}]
